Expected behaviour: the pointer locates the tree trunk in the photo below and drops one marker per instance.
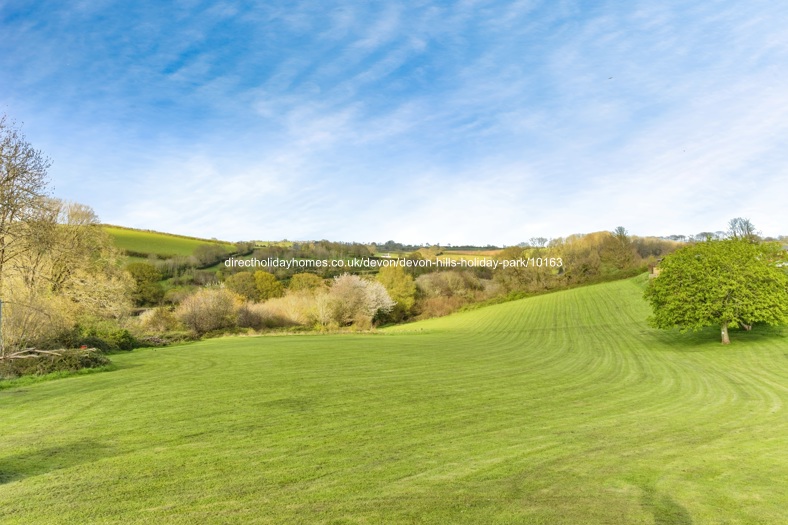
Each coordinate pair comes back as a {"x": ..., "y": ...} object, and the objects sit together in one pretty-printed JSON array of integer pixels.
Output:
[{"x": 725, "y": 339}]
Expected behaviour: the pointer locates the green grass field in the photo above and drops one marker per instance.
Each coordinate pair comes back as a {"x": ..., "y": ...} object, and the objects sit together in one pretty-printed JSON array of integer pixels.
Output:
[
  {"x": 156, "y": 243},
  {"x": 559, "y": 409}
]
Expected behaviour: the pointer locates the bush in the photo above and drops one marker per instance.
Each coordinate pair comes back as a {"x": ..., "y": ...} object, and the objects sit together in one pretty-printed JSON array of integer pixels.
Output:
[
  {"x": 103, "y": 335},
  {"x": 449, "y": 284},
  {"x": 160, "y": 319},
  {"x": 209, "y": 310},
  {"x": 166, "y": 338},
  {"x": 353, "y": 300},
  {"x": 177, "y": 295},
  {"x": 35, "y": 321},
  {"x": 250, "y": 317},
  {"x": 57, "y": 361},
  {"x": 438, "y": 306},
  {"x": 294, "y": 309}
]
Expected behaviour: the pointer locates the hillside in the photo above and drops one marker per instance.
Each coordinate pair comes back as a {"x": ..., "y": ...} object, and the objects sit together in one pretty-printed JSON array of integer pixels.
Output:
[
  {"x": 559, "y": 409},
  {"x": 157, "y": 243}
]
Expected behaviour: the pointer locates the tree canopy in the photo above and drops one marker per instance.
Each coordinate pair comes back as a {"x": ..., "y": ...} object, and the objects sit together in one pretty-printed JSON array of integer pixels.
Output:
[
  {"x": 147, "y": 290},
  {"x": 401, "y": 288},
  {"x": 267, "y": 285},
  {"x": 728, "y": 283},
  {"x": 244, "y": 284}
]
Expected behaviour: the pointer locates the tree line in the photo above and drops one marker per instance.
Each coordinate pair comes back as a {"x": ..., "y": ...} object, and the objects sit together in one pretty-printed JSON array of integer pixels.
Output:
[
  {"x": 63, "y": 283},
  {"x": 58, "y": 268}
]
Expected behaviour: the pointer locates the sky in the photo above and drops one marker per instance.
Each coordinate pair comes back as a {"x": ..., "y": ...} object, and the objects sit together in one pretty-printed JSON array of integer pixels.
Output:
[{"x": 466, "y": 122}]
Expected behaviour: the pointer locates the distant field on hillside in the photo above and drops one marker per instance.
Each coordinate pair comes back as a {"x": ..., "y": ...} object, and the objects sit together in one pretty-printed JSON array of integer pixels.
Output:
[
  {"x": 559, "y": 409},
  {"x": 457, "y": 256},
  {"x": 485, "y": 253},
  {"x": 157, "y": 243}
]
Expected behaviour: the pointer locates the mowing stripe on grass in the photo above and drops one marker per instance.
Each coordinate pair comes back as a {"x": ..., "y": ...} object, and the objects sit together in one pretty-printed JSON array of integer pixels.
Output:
[{"x": 563, "y": 408}]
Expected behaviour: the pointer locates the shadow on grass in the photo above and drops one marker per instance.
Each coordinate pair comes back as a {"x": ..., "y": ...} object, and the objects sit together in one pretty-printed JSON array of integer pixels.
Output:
[
  {"x": 44, "y": 460},
  {"x": 664, "y": 509},
  {"x": 709, "y": 338}
]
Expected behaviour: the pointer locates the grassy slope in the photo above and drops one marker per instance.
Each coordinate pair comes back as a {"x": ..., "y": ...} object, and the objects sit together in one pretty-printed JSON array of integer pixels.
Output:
[
  {"x": 563, "y": 408},
  {"x": 157, "y": 243}
]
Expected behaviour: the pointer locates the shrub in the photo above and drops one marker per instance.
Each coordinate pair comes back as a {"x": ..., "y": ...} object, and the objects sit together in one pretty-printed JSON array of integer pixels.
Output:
[
  {"x": 294, "y": 309},
  {"x": 102, "y": 334},
  {"x": 449, "y": 284},
  {"x": 249, "y": 316},
  {"x": 191, "y": 276},
  {"x": 177, "y": 295},
  {"x": 160, "y": 319},
  {"x": 209, "y": 309},
  {"x": 167, "y": 338},
  {"x": 57, "y": 361},
  {"x": 35, "y": 321},
  {"x": 438, "y": 306}
]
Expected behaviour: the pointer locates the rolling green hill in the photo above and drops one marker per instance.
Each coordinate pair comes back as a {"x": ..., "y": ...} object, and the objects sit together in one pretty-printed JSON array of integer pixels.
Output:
[
  {"x": 156, "y": 243},
  {"x": 559, "y": 409}
]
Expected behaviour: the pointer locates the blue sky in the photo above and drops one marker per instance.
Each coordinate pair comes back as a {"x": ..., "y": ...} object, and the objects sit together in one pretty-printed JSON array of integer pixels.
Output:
[{"x": 426, "y": 122}]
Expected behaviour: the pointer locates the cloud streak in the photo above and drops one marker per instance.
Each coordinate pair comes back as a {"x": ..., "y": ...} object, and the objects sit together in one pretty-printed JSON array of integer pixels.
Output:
[{"x": 474, "y": 121}]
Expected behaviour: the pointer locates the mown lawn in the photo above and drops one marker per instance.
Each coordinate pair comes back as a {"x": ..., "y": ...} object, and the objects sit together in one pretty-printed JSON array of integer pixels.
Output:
[{"x": 559, "y": 409}]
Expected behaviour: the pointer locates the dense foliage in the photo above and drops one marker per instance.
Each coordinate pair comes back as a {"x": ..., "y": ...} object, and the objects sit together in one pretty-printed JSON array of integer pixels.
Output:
[{"x": 727, "y": 283}]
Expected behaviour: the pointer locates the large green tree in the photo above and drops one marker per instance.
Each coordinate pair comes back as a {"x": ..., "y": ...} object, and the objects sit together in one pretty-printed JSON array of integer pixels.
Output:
[{"x": 726, "y": 283}]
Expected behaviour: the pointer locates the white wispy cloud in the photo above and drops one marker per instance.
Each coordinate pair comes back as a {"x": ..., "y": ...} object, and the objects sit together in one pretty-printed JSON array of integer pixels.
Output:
[{"x": 476, "y": 121}]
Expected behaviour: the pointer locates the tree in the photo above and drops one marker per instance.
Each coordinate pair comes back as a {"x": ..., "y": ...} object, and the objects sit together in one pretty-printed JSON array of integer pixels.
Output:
[
  {"x": 209, "y": 309},
  {"x": 538, "y": 242},
  {"x": 65, "y": 272},
  {"x": 143, "y": 272},
  {"x": 401, "y": 288},
  {"x": 742, "y": 229},
  {"x": 267, "y": 285},
  {"x": 23, "y": 181},
  {"x": 306, "y": 282},
  {"x": 356, "y": 300},
  {"x": 244, "y": 284},
  {"x": 620, "y": 249},
  {"x": 209, "y": 254},
  {"x": 727, "y": 283},
  {"x": 147, "y": 290},
  {"x": 376, "y": 300}
]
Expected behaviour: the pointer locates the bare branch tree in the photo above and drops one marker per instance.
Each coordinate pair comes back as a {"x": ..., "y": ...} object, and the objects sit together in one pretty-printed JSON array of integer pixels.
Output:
[
  {"x": 740, "y": 228},
  {"x": 23, "y": 181}
]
